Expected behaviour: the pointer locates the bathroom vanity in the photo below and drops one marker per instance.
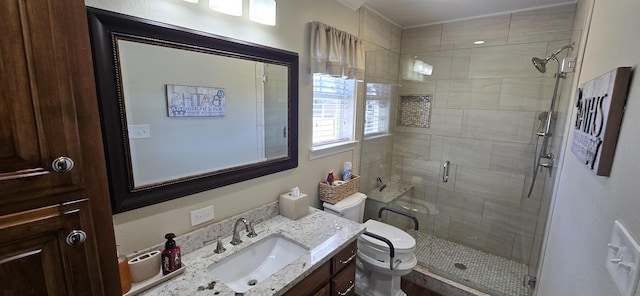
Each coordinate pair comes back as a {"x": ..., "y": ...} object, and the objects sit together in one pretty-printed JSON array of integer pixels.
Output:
[
  {"x": 326, "y": 266},
  {"x": 335, "y": 277}
]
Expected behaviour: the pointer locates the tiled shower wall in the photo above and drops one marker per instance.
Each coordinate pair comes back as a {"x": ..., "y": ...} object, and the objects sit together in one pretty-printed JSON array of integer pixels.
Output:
[
  {"x": 275, "y": 105},
  {"x": 486, "y": 103}
]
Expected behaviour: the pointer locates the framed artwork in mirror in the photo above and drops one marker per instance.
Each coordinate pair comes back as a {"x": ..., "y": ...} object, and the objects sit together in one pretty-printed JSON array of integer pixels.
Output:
[{"x": 195, "y": 101}]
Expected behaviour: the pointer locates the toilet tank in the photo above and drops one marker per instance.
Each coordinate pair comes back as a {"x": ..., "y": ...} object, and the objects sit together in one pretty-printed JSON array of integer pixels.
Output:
[{"x": 352, "y": 207}]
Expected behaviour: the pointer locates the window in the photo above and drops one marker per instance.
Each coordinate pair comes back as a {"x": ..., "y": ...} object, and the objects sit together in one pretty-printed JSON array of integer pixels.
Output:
[
  {"x": 376, "y": 109},
  {"x": 333, "y": 110}
]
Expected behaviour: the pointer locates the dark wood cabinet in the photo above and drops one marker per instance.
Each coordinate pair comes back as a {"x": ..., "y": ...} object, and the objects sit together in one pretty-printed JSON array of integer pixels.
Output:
[
  {"x": 314, "y": 283},
  {"x": 344, "y": 271},
  {"x": 37, "y": 118},
  {"x": 38, "y": 254},
  {"x": 48, "y": 110},
  {"x": 324, "y": 291},
  {"x": 335, "y": 277},
  {"x": 344, "y": 282}
]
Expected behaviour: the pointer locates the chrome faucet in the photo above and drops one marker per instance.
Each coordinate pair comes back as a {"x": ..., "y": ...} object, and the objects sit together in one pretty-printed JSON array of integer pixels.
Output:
[
  {"x": 219, "y": 247},
  {"x": 236, "y": 232}
]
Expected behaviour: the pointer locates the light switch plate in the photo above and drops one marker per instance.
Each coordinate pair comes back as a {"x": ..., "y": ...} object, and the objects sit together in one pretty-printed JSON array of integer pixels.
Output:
[
  {"x": 623, "y": 259},
  {"x": 202, "y": 215},
  {"x": 139, "y": 131}
]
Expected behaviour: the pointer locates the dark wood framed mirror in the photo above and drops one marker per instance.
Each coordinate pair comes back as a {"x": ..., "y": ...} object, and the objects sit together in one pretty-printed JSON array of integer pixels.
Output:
[{"x": 185, "y": 111}]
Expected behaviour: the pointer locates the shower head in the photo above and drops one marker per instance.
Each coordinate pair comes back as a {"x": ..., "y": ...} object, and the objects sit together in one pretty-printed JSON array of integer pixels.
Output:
[{"x": 541, "y": 64}]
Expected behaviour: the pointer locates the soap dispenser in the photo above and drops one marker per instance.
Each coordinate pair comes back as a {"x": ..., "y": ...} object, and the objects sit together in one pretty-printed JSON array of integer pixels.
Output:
[{"x": 171, "y": 258}]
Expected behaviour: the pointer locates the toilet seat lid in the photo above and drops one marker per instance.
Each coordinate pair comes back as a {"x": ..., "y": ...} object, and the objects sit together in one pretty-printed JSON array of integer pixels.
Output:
[{"x": 401, "y": 240}]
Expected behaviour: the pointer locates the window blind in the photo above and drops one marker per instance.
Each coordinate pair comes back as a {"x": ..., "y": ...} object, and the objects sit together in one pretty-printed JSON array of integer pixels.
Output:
[
  {"x": 333, "y": 109},
  {"x": 376, "y": 113}
]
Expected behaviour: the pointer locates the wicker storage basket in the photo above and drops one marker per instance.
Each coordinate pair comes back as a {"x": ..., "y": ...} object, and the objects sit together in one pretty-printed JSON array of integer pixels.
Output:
[{"x": 335, "y": 193}]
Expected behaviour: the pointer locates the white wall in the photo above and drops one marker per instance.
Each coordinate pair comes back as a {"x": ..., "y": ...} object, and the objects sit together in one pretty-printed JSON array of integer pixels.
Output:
[
  {"x": 586, "y": 205},
  {"x": 184, "y": 146},
  {"x": 146, "y": 226}
]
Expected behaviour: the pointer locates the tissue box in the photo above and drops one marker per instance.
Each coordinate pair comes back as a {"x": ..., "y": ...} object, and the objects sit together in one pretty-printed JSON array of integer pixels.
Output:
[{"x": 294, "y": 208}]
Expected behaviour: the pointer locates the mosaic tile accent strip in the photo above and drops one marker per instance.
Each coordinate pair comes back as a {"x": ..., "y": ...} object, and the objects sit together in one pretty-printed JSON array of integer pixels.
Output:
[
  {"x": 491, "y": 274},
  {"x": 414, "y": 111}
]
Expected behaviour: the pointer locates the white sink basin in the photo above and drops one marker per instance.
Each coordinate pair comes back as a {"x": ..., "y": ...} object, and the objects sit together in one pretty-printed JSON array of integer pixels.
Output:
[{"x": 253, "y": 264}]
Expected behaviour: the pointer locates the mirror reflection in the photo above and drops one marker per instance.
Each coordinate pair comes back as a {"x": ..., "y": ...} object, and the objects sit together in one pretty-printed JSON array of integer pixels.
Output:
[
  {"x": 190, "y": 113},
  {"x": 185, "y": 111}
]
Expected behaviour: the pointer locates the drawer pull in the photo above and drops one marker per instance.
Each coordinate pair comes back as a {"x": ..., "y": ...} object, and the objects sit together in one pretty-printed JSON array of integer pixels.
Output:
[
  {"x": 348, "y": 290},
  {"x": 348, "y": 260}
]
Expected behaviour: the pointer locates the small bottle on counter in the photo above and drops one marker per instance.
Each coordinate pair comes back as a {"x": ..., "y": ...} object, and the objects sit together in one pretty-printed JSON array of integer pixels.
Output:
[
  {"x": 171, "y": 258},
  {"x": 125, "y": 273},
  {"x": 330, "y": 177},
  {"x": 346, "y": 172}
]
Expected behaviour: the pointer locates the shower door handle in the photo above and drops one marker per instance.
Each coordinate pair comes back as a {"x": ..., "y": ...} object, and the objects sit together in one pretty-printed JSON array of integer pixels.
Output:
[{"x": 445, "y": 173}]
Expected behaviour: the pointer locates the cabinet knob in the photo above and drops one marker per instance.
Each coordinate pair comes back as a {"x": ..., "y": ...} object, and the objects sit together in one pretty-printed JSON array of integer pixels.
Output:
[
  {"x": 62, "y": 164},
  {"x": 76, "y": 237}
]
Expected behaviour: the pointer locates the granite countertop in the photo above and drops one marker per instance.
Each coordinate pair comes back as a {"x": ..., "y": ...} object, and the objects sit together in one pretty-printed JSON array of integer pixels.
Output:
[{"x": 322, "y": 233}]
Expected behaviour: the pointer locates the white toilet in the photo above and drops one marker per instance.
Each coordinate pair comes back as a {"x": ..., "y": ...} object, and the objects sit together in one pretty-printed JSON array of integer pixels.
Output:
[{"x": 374, "y": 275}]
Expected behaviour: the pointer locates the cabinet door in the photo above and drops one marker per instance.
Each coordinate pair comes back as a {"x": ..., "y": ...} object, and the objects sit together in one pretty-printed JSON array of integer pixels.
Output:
[
  {"x": 38, "y": 258},
  {"x": 344, "y": 258},
  {"x": 40, "y": 62},
  {"x": 48, "y": 109},
  {"x": 313, "y": 283},
  {"x": 344, "y": 283},
  {"x": 324, "y": 291}
]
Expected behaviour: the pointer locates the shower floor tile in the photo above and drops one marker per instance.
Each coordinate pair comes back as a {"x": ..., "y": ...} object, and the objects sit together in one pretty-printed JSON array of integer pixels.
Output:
[{"x": 488, "y": 273}]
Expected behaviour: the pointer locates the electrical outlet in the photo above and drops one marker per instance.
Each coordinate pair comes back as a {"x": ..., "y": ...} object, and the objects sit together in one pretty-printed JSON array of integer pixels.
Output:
[{"x": 202, "y": 215}]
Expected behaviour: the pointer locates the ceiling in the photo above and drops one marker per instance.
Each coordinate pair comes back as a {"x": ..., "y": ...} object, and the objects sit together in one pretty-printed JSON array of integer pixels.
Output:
[{"x": 413, "y": 13}]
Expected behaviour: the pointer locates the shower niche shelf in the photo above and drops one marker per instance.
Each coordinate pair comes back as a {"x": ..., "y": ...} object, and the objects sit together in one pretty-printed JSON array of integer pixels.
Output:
[{"x": 414, "y": 111}]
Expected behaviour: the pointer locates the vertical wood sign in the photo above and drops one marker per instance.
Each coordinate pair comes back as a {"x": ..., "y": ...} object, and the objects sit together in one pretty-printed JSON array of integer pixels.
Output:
[{"x": 600, "y": 104}]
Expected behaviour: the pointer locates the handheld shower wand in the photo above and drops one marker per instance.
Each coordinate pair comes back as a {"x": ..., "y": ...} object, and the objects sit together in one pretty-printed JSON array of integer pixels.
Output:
[{"x": 541, "y": 65}]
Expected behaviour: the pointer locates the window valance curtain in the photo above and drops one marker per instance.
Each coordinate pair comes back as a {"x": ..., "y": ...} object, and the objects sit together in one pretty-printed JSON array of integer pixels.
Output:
[{"x": 336, "y": 52}]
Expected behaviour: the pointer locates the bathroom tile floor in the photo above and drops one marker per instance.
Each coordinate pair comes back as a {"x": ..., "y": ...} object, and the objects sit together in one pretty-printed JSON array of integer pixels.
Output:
[
  {"x": 488, "y": 273},
  {"x": 414, "y": 289}
]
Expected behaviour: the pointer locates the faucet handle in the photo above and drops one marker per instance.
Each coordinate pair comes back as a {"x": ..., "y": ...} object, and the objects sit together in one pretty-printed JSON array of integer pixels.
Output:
[
  {"x": 252, "y": 233},
  {"x": 219, "y": 248}
]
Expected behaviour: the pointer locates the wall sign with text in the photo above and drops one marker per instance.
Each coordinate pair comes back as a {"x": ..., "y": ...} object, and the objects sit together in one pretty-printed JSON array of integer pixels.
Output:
[
  {"x": 195, "y": 101},
  {"x": 600, "y": 104}
]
